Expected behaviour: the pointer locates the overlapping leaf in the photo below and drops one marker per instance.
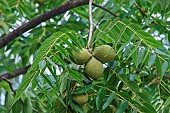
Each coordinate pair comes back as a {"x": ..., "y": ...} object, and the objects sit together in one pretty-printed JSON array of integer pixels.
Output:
[{"x": 41, "y": 55}]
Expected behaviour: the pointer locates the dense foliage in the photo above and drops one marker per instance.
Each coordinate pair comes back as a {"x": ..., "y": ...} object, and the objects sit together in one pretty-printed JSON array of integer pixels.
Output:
[{"x": 136, "y": 81}]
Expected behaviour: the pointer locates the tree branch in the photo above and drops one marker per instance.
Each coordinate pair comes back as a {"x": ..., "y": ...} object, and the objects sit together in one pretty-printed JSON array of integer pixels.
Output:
[
  {"x": 167, "y": 77},
  {"x": 20, "y": 71},
  {"x": 38, "y": 20},
  {"x": 16, "y": 73},
  {"x": 23, "y": 70},
  {"x": 145, "y": 15},
  {"x": 97, "y": 5}
]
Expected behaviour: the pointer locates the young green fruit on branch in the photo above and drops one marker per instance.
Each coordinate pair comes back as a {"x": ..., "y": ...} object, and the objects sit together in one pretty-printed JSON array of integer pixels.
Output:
[
  {"x": 80, "y": 98},
  {"x": 81, "y": 57},
  {"x": 104, "y": 53},
  {"x": 94, "y": 68}
]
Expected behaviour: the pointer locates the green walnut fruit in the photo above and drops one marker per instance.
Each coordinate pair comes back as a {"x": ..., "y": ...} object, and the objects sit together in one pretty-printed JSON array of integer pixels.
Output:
[
  {"x": 41, "y": 2},
  {"x": 104, "y": 53},
  {"x": 80, "y": 98},
  {"x": 81, "y": 57},
  {"x": 94, "y": 68},
  {"x": 85, "y": 108}
]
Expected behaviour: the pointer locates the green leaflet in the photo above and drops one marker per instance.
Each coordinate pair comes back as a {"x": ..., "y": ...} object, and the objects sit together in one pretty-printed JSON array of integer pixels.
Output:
[
  {"x": 27, "y": 106},
  {"x": 109, "y": 100},
  {"x": 17, "y": 107},
  {"x": 166, "y": 103},
  {"x": 122, "y": 107},
  {"x": 159, "y": 68},
  {"x": 83, "y": 89},
  {"x": 100, "y": 97},
  {"x": 8, "y": 99}
]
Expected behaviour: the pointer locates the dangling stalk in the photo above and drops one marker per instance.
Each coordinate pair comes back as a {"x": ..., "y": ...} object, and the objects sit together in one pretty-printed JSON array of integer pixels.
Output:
[{"x": 91, "y": 24}]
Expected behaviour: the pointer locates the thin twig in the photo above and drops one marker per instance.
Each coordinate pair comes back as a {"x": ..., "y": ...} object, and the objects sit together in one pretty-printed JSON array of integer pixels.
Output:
[
  {"x": 78, "y": 67},
  {"x": 145, "y": 15},
  {"x": 97, "y": 5},
  {"x": 167, "y": 77},
  {"x": 17, "y": 4},
  {"x": 95, "y": 26},
  {"x": 141, "y": 11},
  {"x": 91, "y": 24},
  {"x": 10, "y": 84}
]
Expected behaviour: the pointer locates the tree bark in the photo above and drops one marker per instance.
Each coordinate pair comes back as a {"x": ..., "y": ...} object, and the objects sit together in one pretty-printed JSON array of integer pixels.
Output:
[{"x": 16, "y": 73}]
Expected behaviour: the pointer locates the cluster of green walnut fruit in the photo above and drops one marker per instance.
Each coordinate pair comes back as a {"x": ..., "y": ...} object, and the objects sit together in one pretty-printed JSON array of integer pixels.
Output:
[
  {"x": 94, "y": 62},
  {"x": 93, "y": 65}
]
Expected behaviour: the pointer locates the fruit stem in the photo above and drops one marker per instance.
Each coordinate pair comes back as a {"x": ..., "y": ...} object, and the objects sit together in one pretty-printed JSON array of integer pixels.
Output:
[
  {"x": 91, "y": 25},
  {"x": 78, "y": 66}
]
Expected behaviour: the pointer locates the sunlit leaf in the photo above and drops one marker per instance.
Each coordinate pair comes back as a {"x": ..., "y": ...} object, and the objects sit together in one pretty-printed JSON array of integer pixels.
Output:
[
  {"x": 109, "y": 100},
  {"x": 122, "y": 107},
  {"x": 100, "y": 97}
]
